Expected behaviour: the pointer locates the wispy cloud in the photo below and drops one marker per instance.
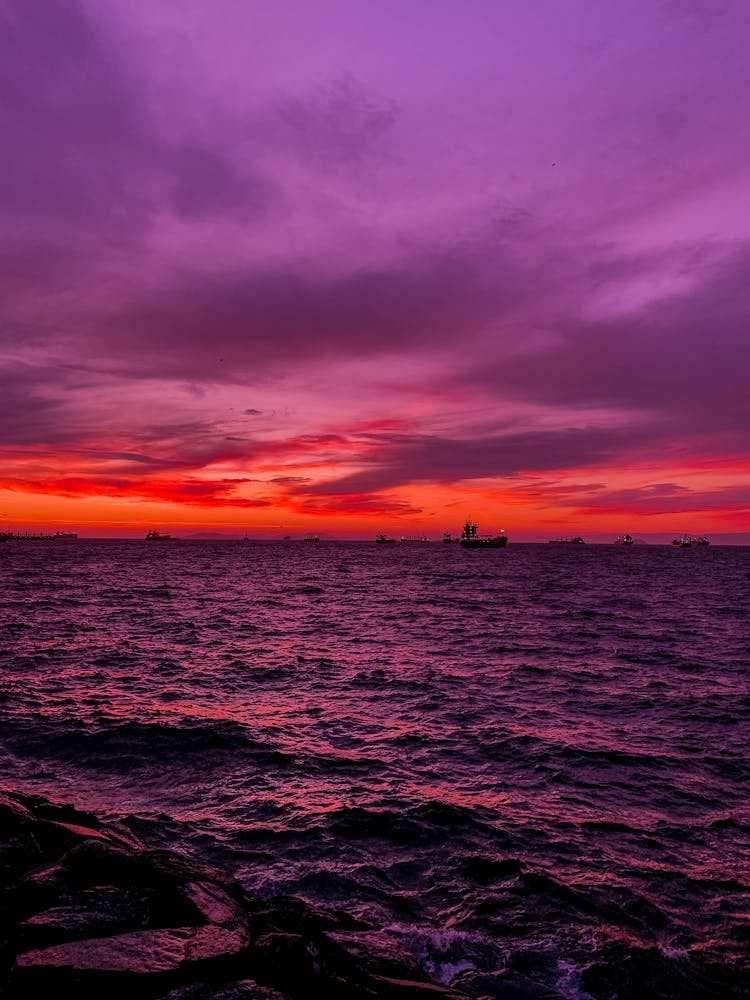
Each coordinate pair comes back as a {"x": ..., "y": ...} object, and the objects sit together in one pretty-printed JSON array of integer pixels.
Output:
[{"x": 513, "y": 260}]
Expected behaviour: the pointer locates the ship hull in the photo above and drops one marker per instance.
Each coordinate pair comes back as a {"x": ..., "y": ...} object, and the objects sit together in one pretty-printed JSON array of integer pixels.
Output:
[{"x": 484, "y": 543}]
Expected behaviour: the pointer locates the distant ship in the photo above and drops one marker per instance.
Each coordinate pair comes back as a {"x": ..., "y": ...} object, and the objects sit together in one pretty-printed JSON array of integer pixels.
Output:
[
  {"x": 383, "y": 540},
  {"x": 470, "y": 539},
  {"x": 156, "y": 536},
  {"x": 701, "y": 540},
  {"x": 311, "y": 538},
  {"x": 572, "y": 540},
  {"x": 412, "y": 539},
  {"x": 624, "y": 540},
  {"x": 449, "y": 539},
  {"x": 682, "y": 543}
]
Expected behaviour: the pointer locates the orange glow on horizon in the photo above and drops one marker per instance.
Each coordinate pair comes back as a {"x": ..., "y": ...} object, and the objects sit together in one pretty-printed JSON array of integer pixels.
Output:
[{"x": 533, "y": 506}]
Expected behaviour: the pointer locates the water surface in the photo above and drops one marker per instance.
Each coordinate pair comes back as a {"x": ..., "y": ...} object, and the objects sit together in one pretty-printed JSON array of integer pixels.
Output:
[{"x": 533, "y": 758}]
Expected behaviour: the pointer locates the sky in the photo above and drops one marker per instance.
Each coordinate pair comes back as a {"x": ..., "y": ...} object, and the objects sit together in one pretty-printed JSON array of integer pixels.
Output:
[{"x": 352, "y": 266}]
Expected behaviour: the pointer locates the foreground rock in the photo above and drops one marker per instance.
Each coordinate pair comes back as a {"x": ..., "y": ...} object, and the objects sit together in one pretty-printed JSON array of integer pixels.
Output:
[{"x": 87, "y": 911}]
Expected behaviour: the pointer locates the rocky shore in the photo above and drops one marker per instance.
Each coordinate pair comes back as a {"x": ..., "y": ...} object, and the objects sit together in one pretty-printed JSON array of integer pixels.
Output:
[{"x": 88, "y": 911}]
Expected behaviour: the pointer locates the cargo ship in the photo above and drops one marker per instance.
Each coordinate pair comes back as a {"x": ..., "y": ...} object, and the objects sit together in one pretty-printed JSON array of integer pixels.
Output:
[{"x": 471, "y": 539}]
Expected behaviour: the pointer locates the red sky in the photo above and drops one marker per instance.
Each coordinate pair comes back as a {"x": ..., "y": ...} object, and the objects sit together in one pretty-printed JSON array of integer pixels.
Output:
[{"x": 359, "y": 267}]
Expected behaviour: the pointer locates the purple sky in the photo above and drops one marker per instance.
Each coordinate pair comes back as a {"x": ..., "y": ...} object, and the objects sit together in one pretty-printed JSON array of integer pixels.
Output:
[{"x": 358, "y": 260}]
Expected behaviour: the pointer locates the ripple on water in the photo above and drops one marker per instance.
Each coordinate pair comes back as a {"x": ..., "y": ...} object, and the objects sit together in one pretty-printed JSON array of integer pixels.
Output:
[{"x": 531, "y": 766}]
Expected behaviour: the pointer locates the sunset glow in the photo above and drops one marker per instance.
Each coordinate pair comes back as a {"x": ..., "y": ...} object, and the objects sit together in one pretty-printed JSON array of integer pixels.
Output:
[{"x": 353, "y": 268}]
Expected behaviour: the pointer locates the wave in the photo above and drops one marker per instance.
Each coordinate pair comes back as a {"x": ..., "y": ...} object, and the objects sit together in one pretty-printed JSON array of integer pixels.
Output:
[{"x": 122, "y": 746}]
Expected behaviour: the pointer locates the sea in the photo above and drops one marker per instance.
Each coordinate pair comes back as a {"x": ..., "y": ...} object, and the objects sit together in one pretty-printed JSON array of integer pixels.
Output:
[{"x": 533, "y": 758}]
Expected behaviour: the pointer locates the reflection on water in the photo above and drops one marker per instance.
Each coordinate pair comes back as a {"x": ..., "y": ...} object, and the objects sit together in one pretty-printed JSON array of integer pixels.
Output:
[{"x": 522, "y": 752}]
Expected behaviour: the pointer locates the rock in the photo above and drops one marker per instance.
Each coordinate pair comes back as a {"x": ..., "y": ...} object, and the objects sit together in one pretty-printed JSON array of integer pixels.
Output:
[
  {"x": 410, "y": 989},
  {"x": 102, "y": 910},
  {"x": 87, "y": 911},
  {"x": 384, "y": 955},
  {"x": 291, "y": 912},
  {"x": 141, "y": 952},
  {"x": 245, "y": 989},
  {"x": 214, "y": 904},
  {"x": 503, "y": 985},
  {"x": 14, "y": 817}
]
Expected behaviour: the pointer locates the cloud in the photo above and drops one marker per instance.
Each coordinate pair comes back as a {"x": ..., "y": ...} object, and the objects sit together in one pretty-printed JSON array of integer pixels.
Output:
[
  {"x": 679, "y": 362},
  {"x": 234, "y": 325},
  {"x": 362, "y": 504},
  {"x": 207, "y": 184},
  {"x": 183, "y": 232},
  {"x": 338, "y": 126},
  {"x": 71, "y": 127},
  {"x": 402, "y": 460},
  {"x": 187, "y": 492},
  {"x": 666, "y": 498}
]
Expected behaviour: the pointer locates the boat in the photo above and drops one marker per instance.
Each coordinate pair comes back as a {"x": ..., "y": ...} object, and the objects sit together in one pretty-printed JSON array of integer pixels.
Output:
[
  {"x": 384, "y": 540},
  {"x": 701, "y": 540},
  {"x": 567, "y": 540},
  {"x": 311, "y": 538},
  {"x": 449, "y": 539},
  {"x": 156, "y": 536},
  {"x": 470, "y": 539},
  {"x": 414, "y": 539},
  {"x": 682, "y": 543},
  {"x": 65, "y": 536},
  {"x": 624, "y": 540}
]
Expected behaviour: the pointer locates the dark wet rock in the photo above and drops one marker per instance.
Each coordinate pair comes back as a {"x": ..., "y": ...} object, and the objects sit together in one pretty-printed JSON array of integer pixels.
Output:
[
  {"x": 244, "y": 989},
  {"x": 384, "y": 955},
  {"x": 87, "y": 911},
  {"x": 102, "y": 910},
  {"x": 14, "y": 816},
  {"x": 503, "y": 985}
]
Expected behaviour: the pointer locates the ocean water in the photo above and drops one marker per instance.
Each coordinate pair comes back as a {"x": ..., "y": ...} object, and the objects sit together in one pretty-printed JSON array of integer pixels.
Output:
[{"x": 533, "y": 758}]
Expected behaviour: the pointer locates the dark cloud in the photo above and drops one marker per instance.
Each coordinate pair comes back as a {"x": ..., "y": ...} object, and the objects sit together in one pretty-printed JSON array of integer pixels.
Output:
[
  {"x": 665, "y": 498},
  {"x": 339, "y": 125},
  {"x": 86, "y": 169},
  {"x": 70, "y": 124},
  {"x": 207, "y": 184},
  {"x": 262, "y": 319},
  {"x": 189, "y": 492},
  {"x": 680, "y": 362},
  {"x": 400, "y": 460},
  {"x": 31, "y": 410},
  {"x": 354, "y": 503}
]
